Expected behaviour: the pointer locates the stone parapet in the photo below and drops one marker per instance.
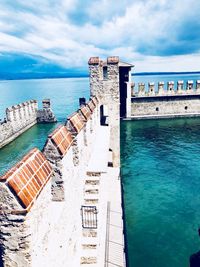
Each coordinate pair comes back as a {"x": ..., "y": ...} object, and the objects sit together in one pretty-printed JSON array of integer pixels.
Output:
[
  {"x": 41, "y": 196},
  {"x": 160, "y": 90},
  {"x": 23, "y": 116},
  {"x": 20, "y": 188}
]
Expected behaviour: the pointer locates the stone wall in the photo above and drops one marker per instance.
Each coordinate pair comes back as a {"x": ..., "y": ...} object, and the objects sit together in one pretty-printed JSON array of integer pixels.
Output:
[
  {"x": 40, "y": 222},
  {"x": 165, "y": 103},
  {"x": 21, "y": 117},
  {"x": 42, "y": 197}
]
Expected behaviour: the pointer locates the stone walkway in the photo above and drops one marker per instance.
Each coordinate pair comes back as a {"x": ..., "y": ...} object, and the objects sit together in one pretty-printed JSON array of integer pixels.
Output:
[
  {"x": 103, "y": 246},
  {"x": 115, "y": 237}
]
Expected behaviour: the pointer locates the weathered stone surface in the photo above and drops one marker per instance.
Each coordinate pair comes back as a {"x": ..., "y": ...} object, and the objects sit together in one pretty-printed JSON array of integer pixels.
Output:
[
  {"x": 21, "y": 117},
  {"x": 46, "y": 114},
  {"x": 107, "y": 90},
  {"x": 51, "y": 233}
]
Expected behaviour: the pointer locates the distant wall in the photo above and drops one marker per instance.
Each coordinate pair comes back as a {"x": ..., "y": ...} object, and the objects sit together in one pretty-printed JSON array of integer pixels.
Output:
[
  {"x": 160, "y": 103},
  {"x": 20, "y": 118}
]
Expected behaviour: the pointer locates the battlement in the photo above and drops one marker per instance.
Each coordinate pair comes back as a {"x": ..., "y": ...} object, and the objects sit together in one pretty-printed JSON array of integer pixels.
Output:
[
  {"x": 22, "y": 111},
  {"x": 42, "y": 195},
  {"x": 160, "y": 90},
  {"x": 163, "y": 101},
  {"x": 23, "y": 116},
  {"x": 35, "y": 186}
]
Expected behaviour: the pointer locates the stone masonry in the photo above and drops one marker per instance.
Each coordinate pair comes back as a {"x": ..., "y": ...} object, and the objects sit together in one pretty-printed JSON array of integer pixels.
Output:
[
  {"x": 107, "y": 89},
  {"x": 163, "y": 103},
  {"x": 54, "y": 204},
  {"x": 21, "y": 117}
]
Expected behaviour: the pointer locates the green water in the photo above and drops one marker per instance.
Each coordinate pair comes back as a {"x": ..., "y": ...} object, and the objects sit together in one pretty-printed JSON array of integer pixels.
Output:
[{"x": 161, "y": 178}]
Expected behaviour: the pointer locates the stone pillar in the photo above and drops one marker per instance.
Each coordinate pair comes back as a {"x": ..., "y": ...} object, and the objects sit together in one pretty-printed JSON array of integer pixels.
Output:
[
  {"x": 21, "y": 115},
  {"x": 170, "y": 87},
  {"x": 161, "y": 90},
  {"x": 96, "y": 76},
  {"x": 46, "y": 114},
  {"x": 29, "y": 108},
  {"x": 198, "y": 86},
  {"x": 190, "y": 86},
  {"x": 132, "y": 89},
  {"x": 141, "y": 89},
  {"x": 128, "y": 99},
  {"x": 151, "y": 90},
  {"x": 24, "y": 110},
  {"x": 180, "y": 87},
  {"x": 113, "y": 103},
  {"x": 9, "y": 114}
]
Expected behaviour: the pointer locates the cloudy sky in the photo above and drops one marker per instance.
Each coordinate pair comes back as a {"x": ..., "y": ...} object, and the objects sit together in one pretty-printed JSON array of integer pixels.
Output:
[{"x": 59, "y": 35}]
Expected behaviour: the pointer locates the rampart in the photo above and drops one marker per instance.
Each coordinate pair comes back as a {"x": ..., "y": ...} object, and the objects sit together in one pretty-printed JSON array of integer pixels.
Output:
[
  {"x": 54, "y": 203},
  {"x": 62, "y": 206},
  {"x": 161, "y": 102},
  {"x": 21, "y": 117}
]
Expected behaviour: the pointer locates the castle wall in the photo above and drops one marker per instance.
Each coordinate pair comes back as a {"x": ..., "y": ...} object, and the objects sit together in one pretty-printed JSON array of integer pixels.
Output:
[
  {"x": 161, "y": 103},
  {"x": 48, "y": 232},
  {"x": 165, "y": 107},
  {"x": 56, "y": 224},
  {"x": 42, "y": 196},
  {"x": 20, "y": 118}
]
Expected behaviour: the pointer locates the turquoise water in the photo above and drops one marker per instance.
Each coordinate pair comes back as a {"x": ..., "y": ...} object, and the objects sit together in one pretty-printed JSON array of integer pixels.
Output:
[
  {"x": 161, "y": 178},
  {"x": 160, "y": 169},
  {"x": 64, "y": 95}
]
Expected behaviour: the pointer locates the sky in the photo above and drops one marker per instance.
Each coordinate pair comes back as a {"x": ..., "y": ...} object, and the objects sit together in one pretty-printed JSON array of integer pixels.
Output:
[{"x": 61, "y": 35}]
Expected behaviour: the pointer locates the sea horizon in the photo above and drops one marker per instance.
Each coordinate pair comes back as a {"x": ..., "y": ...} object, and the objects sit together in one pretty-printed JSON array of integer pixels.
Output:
[{"x": 37, "y": 76}]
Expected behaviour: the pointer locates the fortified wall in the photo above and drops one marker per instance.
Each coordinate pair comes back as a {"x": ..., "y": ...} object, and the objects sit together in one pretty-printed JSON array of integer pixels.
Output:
[
  {"x": 180, "y": 101},
  {"x": 21, "y": 117},
  {"x": 62, "y": 206}
]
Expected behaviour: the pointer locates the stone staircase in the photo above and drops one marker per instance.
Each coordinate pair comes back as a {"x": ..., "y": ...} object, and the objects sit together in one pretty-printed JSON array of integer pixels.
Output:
[{"x": 90, "y": 237}]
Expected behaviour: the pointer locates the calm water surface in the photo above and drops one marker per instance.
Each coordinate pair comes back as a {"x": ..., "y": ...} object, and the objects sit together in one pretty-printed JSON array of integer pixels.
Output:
[
  {"x": 160, "y": 169},
  {"x": 161, "y": 178}
]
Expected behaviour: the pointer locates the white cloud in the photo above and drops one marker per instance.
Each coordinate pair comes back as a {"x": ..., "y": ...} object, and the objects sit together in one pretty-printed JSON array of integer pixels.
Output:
[{"x": 150, "y": 33}]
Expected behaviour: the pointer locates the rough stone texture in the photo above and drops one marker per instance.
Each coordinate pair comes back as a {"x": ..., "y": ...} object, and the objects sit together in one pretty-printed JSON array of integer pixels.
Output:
[
  {"x": 69, "y": 170},
  {"x": 46, "y": 114},
  {"x": 160, "y": 103},
  {"x": 19, "y": 118},
  {"x": 51, "y": 233},
  {"x": 14, "y": 232},
  {"x": 169, "y": 106},
  {"x": 107, "y": 91},
  {"x": 180, "y": 89}
]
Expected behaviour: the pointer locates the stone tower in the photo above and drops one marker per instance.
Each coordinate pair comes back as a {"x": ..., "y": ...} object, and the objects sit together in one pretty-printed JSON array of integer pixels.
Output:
[{"x": 108, "y": 82}]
